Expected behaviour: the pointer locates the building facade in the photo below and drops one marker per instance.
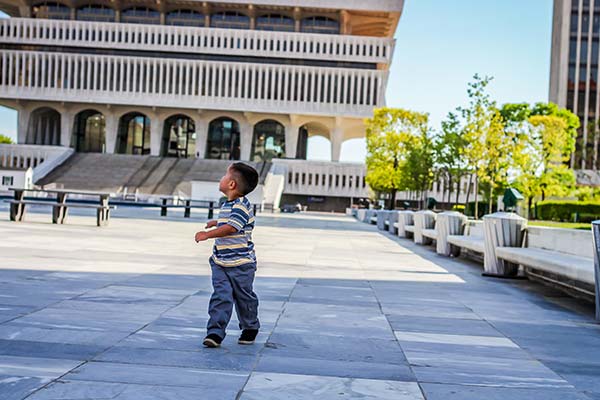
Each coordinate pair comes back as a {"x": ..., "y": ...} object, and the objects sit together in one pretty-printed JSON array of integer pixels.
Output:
[
  {"x": 574, "y": 73},
  {"x": 235, "y": 80}
]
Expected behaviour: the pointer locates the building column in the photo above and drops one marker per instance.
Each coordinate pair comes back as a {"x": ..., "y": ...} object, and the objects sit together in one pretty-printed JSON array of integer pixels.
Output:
[
  {"x": 291, "y": 140},
  {"x": 25, "y": 11},
  {"x": 23, "y": 125},
  {"x": 297, "y": 19},
  {"x": 246, "y": 134},
  {"x": 66, "y": 128},
  {"x": 156, "y": 131},
  {"x": 111, "y": 127},
  {"x": 201, "y": 125},
  {"x": 337, "y": 138}
]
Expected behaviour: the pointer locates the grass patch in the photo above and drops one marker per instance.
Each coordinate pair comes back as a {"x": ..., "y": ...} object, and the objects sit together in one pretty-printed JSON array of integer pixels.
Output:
[{"x": 569, "y": 225}]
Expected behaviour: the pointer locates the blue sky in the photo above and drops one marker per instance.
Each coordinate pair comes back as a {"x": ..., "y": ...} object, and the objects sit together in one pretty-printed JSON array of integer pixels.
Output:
[{"x": 440, "y": 45}]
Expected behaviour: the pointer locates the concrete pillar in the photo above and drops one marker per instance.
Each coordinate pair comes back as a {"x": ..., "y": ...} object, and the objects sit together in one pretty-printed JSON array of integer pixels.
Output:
[
  {"x": 201, "y": 125},
  {"x": 25, "y": 11},
  {"x": 291, "y": 140},
  {"x": 157, "y": 124},
  {"x": 297, "y": 19},
  {"x": 66, "y": 128},
  {"x": 23, "y": 125},
  {"x": 337, "y": 137},
  {"x": 448, "y": 223},
  {"x": 501, "y": 229},
  {"x": 111, "y": 132},
  {"x": 246, "y": 134}
]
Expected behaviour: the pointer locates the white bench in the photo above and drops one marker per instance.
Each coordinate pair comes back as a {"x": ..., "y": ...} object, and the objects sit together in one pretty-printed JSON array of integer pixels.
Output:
[
  {"x": 562, "y": 256},
  {"x": 472, "y": 240},
  {"x": 430, "y": 233}
]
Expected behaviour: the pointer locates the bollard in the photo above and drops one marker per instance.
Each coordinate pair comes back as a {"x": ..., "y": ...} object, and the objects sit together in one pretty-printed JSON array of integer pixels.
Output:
[
  {"x": 163, "y": 208},
  {"x": 501, "y": 229},
  {"x": 254, "y": 208},
  {"x": 211, "y": 205},
  {"x": 405, "y": 217},
  {"x": 424, "y": 219},
  {"x": 392, "y": 220},
  {"x": 187, "y": 209},
  {"x": 448, "y": 223},
  {"x": 596, "y": 240}
]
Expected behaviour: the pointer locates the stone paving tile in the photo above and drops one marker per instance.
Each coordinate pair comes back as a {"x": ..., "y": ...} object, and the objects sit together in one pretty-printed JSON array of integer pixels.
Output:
[
  {"x": 19, "y": 387},
  {"x": 82, "y": 390},
  {"x": 342, "y": 369},
  {"x": 347, "y": 312},
  {"x": 271, "y": 386},
  {"x": 201, "y": 358},
  {"x": 157, "y": 375},
  {"x": 435, "y": 391}
]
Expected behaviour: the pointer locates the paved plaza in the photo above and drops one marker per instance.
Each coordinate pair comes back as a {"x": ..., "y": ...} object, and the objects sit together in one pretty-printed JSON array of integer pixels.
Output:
[{"x": 347, "y": 312}]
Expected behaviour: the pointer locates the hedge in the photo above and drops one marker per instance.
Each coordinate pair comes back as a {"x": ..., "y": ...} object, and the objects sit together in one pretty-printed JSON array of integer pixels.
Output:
[{"x": 567, "y": 211}]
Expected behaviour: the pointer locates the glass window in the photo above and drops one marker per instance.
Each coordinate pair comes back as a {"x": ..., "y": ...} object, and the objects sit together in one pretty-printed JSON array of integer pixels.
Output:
[
  {"x": 96, "y": 12},
  {"x": 230, "y": 20},
  {"x": 574, "y": 20},
  {"x": 223, "y": 142},
  {"x": 134, "y": 134},
  {"x": 179, "y": 137},
  {"x": 275, "y": 22},
  {"x": 583, "y": 53},
  {"x": 585, "y": 24},
  {"x": 320, "y": 25},
  {"x": 8, "y": 181},
  {"x": 185, "y": 18},
  {"x": 49, "y": 10},
  {"x": 140, "y": 15},
  {"x": 573, "y": 50},
  {"x": 268, "y": 141},
  {"x": 89, "y": 132}
]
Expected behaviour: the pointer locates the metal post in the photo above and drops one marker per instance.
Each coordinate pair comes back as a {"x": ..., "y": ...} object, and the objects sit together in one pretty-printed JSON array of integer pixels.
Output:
[
  {"x": 596, "y": 238},
  {"x": 187, "y": 210},
  {"x": 254, "y": 209},
  {"x": 211, "y": 205},
  {"x": 163, "y": 208}
]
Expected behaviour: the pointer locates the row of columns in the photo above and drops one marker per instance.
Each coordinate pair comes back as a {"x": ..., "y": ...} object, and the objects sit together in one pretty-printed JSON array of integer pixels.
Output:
[{"x": 157, "y": 121}]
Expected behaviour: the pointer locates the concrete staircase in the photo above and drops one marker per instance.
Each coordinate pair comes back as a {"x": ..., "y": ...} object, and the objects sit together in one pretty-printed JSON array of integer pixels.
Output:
[{"x": 148, "y": 175}]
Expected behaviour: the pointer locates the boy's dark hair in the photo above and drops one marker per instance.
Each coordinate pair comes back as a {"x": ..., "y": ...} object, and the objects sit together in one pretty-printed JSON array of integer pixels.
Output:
[{"x": 245, "y": 176}]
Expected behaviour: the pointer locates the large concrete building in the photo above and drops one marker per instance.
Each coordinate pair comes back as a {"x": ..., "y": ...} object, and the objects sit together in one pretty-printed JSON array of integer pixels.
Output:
[
  {"x": 574, "y": 73},
  {"x": 194, "y": 80}
]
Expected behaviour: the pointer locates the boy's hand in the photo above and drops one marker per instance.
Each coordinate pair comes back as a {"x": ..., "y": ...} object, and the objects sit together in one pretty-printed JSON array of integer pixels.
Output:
[
  {"x": 211, "y": 224},
  {"x": 201, "y": 236}
]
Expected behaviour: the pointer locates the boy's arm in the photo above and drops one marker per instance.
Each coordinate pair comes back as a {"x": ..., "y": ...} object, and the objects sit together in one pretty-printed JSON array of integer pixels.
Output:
[{"x": 224, "y": 230}]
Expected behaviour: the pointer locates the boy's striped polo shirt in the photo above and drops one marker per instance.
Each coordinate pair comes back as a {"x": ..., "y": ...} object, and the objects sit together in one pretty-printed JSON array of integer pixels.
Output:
[{"x": 237, "y": 248}]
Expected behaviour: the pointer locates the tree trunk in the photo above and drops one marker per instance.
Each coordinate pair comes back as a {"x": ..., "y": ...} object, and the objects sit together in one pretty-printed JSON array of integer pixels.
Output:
[
  {"x": 491, "y": 207},
  {"x": 476, "y": 197},
  {"x": 469, "y": 189},
  {"x": 458, "y": 189},
  {"x": 529, "y": 205},
  {"x": 392, "y": 204}
]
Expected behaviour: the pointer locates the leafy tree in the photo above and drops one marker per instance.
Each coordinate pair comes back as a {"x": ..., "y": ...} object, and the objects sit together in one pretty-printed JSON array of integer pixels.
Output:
[
  {"x": 449, "y": 148},
  {"x": 544, "y": 141},
  {"x": 392, "y": 136},
  {"x": 5, "y": 140},
  {"x": 488, "y": 147}
]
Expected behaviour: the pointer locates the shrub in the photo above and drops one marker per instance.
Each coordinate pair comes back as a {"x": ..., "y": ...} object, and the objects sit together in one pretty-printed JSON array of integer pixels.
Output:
[
  {"x": 567, "y": 211},
  {"x": 5, "y": 139}
]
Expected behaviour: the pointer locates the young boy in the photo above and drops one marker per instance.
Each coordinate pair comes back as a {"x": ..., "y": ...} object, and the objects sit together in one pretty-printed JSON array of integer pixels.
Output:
[{"x": 233, "y": 262}]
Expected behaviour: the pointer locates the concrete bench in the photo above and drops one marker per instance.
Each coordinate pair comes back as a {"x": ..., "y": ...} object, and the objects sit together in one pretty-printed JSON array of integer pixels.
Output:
[
  {"x": 405, "y": 225},
  {"x": 561, "y": 256},
  {"x": 430, "y": 233},
  {"x": 424, "y": 220},
  {"x": 59, "y": 210},
  {"x": 392, "y": 222},
  {"x": 472, "y": 240}
]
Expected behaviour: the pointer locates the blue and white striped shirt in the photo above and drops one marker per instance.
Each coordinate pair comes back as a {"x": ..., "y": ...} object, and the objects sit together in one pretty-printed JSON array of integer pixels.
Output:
[{"x": 236, "y": 249}]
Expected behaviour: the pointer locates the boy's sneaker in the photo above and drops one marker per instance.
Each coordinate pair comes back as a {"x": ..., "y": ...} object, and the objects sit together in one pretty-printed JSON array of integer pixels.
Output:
[
  {"x": 248, "y": 336},
  {"x": 212, "y": 341}
]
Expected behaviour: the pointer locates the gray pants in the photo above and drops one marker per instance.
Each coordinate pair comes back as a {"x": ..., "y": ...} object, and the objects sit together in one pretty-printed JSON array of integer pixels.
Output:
[{"x": 232, "y": 285}]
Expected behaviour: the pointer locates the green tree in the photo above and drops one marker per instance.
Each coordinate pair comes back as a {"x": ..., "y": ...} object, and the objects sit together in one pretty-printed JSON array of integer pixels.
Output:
[
  {"x": 544, "y": 141},
  {"x": 392, "y": 134},
  {"x": 5, "y": 140},
  {"x": 449, "y": 149},
  {"x": 488, "y": 147}
]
